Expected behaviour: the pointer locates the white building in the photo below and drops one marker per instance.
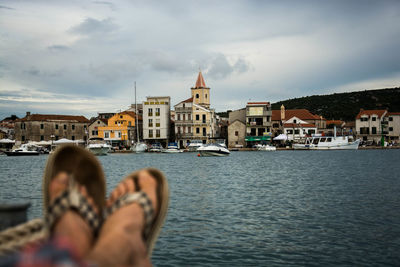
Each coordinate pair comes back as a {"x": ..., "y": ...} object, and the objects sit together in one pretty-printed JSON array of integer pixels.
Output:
[
  {"x": 393, "y": 126},
  {"x": 297, "y": 129},
  {"x": 369, "y": 124},
  {"x": 156, "y": 119}
]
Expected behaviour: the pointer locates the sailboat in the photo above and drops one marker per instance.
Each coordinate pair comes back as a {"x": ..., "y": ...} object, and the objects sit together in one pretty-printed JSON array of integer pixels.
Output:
[{"x": 138, "y": 147}]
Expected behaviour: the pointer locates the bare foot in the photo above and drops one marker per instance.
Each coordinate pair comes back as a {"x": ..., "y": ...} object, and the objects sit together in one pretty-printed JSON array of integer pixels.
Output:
[
  {"x": 71, "y": 226},
  {"x": 121, "y": 237}
]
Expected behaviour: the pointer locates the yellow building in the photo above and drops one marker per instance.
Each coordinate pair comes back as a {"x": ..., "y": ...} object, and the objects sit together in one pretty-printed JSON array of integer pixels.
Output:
[{"x": 121, "y": 129}]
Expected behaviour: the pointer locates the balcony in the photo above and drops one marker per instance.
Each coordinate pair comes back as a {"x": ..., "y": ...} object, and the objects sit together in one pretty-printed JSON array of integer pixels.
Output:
[
  {"x": 157, "y": 125},
  {"x": 151, "y": 114},
  {"x": 183, "y": 109},
  {"x": 150, "y": 124},
  {"x": 157, "y": 114},
  {"x": 150, "y": 135}
]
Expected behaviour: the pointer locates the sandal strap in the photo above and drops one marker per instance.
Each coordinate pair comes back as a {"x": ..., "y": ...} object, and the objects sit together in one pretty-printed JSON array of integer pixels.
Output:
[
  {"x": 140, "y": 198},
  {"x": 72, "y": 199}
]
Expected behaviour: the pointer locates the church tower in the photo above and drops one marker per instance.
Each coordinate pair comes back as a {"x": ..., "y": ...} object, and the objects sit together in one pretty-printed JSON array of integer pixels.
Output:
[{"x": 201, "y": 93}]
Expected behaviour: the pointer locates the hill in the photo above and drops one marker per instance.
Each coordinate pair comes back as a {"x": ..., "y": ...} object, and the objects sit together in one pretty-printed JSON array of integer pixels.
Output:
[{"x": 345, "y": 106}]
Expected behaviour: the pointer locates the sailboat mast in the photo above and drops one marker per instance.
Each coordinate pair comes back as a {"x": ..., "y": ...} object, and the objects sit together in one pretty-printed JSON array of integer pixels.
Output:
[{"x": 136, "y": 119}]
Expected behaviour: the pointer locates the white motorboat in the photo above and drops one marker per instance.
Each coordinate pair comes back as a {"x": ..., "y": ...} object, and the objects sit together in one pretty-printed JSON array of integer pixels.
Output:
[
  {"x": 265, "y": 148},
  {"x": 139, "y": 147},
  {"x": 172, "y": 148},
  {"x": 213, "y": 150},
  {"x": 98, "y": 146},
  {"x": 194, "y": 145},
  {"x": 24, "y": 150},
  {"x": 328, "y": 143},
  {"x": 156, "y": 147}
]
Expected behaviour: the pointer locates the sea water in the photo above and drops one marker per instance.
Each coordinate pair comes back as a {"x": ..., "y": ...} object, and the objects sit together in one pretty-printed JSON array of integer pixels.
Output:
[{"x": 282, "y": 208}]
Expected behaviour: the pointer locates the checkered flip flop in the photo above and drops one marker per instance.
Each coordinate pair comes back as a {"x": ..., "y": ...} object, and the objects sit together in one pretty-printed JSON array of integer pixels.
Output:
[
  {"x": 153, "y": 222},
  {"x": 72, "y": 199},
  {"x": 85, "y": 170}
]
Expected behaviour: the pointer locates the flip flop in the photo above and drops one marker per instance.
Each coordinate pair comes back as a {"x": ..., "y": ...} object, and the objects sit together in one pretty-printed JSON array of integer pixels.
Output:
[
  {"x": 152, "y": 225},
  {"x": 84, "y": 169}
]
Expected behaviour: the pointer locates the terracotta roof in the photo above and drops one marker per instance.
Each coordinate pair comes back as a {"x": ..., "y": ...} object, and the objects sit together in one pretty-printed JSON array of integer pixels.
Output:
[
  {"x": 392, "y": 113},
  {"x": 50, "y": 117},
  {"x": 335, "y": 122},
  {"x": 200, "y": 81},
  {"x": 378, "y": 112},
  {"x": 302, "y": 114},
  {"x": 295, "y": 125},
  {"x": 257, "y": 103},
  {"x": 189, "y": 100}
]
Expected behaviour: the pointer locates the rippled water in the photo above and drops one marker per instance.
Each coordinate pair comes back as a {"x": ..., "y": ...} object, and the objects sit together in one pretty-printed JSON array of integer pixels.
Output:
[{"x": 259, "y": 208}]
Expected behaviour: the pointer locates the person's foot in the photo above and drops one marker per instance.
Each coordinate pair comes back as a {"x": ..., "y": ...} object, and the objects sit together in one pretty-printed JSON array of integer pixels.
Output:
[
  {"x": 71, "y": 226},
  {"x": 121, "y": 238}
]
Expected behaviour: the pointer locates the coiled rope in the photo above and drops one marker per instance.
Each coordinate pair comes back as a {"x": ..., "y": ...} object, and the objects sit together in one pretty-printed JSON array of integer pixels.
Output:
[{"x": 15, "y": 238}]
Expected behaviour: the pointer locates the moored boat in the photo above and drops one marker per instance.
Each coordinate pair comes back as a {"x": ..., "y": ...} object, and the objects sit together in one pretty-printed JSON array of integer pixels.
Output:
[
  {"x": 23, "y": 150},
  {"x": 98, "y": 146},
  {"x": 328, "y": 143},
  {"x": 172, "y": 148},
  {"x": 194, "y": 145},
  {"x": 265, "y": 147},
  {"x": 211, "y": 150}
]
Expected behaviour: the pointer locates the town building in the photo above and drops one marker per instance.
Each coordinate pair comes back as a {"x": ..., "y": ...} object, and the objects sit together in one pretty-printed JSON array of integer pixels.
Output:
[
  {"x": 105, "y": 115},
  {"x": 156, "y": 119},
  {"x": 370, "y": 125},
  {"x": 43, "y": 127},
  {"x": 120, "y": 130},
  {"x": 393, "y": 126},
  {"x": 94, "y": 127},
  {"x": 7, "y": 126},
  {"x": 194, "y": 119},
  {"x": 237, "y": 128},
  {"x": 258, "y": 122},
  {"x": 305, "y": 119}
]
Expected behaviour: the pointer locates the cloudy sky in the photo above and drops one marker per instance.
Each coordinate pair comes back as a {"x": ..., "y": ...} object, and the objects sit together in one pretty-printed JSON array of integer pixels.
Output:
[{"x": 82, "y": 57}]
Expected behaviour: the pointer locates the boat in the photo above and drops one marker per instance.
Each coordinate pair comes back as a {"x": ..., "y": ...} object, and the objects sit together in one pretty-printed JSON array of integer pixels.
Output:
[
  {"x": 328, "y": 143},
  {"x": 172, "y": 148},
  {"x": 194, "y": 145},
  {"x": 156, "y": 147},
  {"x": 138, "y": 147},
  {"x": 98, "y": 146},
  {"x": 261, "y": 147},
  {"x": 213, "y": 150},
  {"x": 24, "y": 150}
]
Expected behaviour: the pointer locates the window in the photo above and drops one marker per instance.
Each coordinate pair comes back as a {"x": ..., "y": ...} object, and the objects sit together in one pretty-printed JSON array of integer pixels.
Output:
[
  {"x": 197, "y": 96},
  {"x": 373, "y": 130},
  {"x": 98, "y": 122},
  {"x": 289, "y": 131},
  {"x": 204, "y": 131},
  {"x": 65, "y": 127},
  {"x": 150, "y": 111},
  {"x": 157, "y": 111},
  {"x": 73, "y": 127},
  {"x": 236, "y": 133},
  {"x": 120, "y": 117},
  {"x": 73, "y": 137},
  {"x": 295, "y": 121},
  {"x": 184, "y": 117},
  {"x": 157, "y": 133},
  {"x": 189, "y": 117},
  {"x": 41, "y": 138},
  {"x": 373, "y": 118},
  {"x": 150, "y": 133},
  {"x": 157, "y": 122},
  {"x": 189, "y": 129},
  {"x": 206, "y": 96},
  {"x": 311, "y": 131},
  {"x": 204, "y": 118},
  {"x": 57, "y": 137},
  {"x": 150, "y": 122},
  {"x": 106, "y": 134},
  {"x": 183, "y": 104},
  {"x": 275, "y": 125},
  {"x": 56, "y": 126},
  {"x": 197, "y": 130},
  {"x": 115, "y": 122},
  {"x": 297, "y": 131},
  {"x": 42, "y": 126},
  {"x": 119, "y": 134},
  {"x": 23, "y": 138},
  {"x": 197, "y": 117},
  {"x": 390, "y": 129},
  {"x": 179, "y": 130},
  {"x": 130, "y": 123},
  {"x": 390, "y": 118},
  {"x": 179, "y": 117},
  {"x": 94, "y": 132}
]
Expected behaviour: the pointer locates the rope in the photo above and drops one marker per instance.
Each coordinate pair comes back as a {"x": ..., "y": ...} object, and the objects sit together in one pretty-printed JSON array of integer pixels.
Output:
[{"x": 15, "y": 238}]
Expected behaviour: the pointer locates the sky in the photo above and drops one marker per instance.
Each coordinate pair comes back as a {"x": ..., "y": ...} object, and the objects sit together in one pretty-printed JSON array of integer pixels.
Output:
[{"x": 82, "y": 57}]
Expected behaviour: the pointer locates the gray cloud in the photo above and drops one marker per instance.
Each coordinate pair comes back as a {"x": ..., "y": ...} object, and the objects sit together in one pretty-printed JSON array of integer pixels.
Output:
[
  {"x": 58, "y": 47},
  {"x": 93, "y": 26},
  {"x": 6, "y": 7},
  {"x": 108, "y": 4}
]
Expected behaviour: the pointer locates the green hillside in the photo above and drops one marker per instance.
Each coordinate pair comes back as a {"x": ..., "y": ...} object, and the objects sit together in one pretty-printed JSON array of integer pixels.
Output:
[{"x": 345, "y": 106}]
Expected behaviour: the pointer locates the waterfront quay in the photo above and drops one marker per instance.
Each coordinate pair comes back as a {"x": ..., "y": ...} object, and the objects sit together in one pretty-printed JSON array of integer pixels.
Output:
[{"x": 257, "y": 209}]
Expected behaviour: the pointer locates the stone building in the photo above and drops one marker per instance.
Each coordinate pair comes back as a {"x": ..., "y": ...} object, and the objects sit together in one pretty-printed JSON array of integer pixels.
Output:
[
  {"x": 237, "y": 128},
  {"x": 371, "y": 125},
  {"x": 94, "y": 127},
  {"x": 194, "y": 119},
  {"x": 156, "y": 119},
  {"x": 43, "y": 127}
]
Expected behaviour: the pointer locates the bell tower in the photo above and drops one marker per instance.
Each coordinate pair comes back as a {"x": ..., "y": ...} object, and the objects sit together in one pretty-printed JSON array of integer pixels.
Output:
[{"x": 201, "y": 93}]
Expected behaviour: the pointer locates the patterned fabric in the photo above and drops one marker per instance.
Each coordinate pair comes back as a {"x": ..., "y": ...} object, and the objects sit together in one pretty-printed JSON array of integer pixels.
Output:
[
  {"x": 140, "y": 198},
  {"x": 56, "y": 252},
  {"x": 72, "y": 199}
]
